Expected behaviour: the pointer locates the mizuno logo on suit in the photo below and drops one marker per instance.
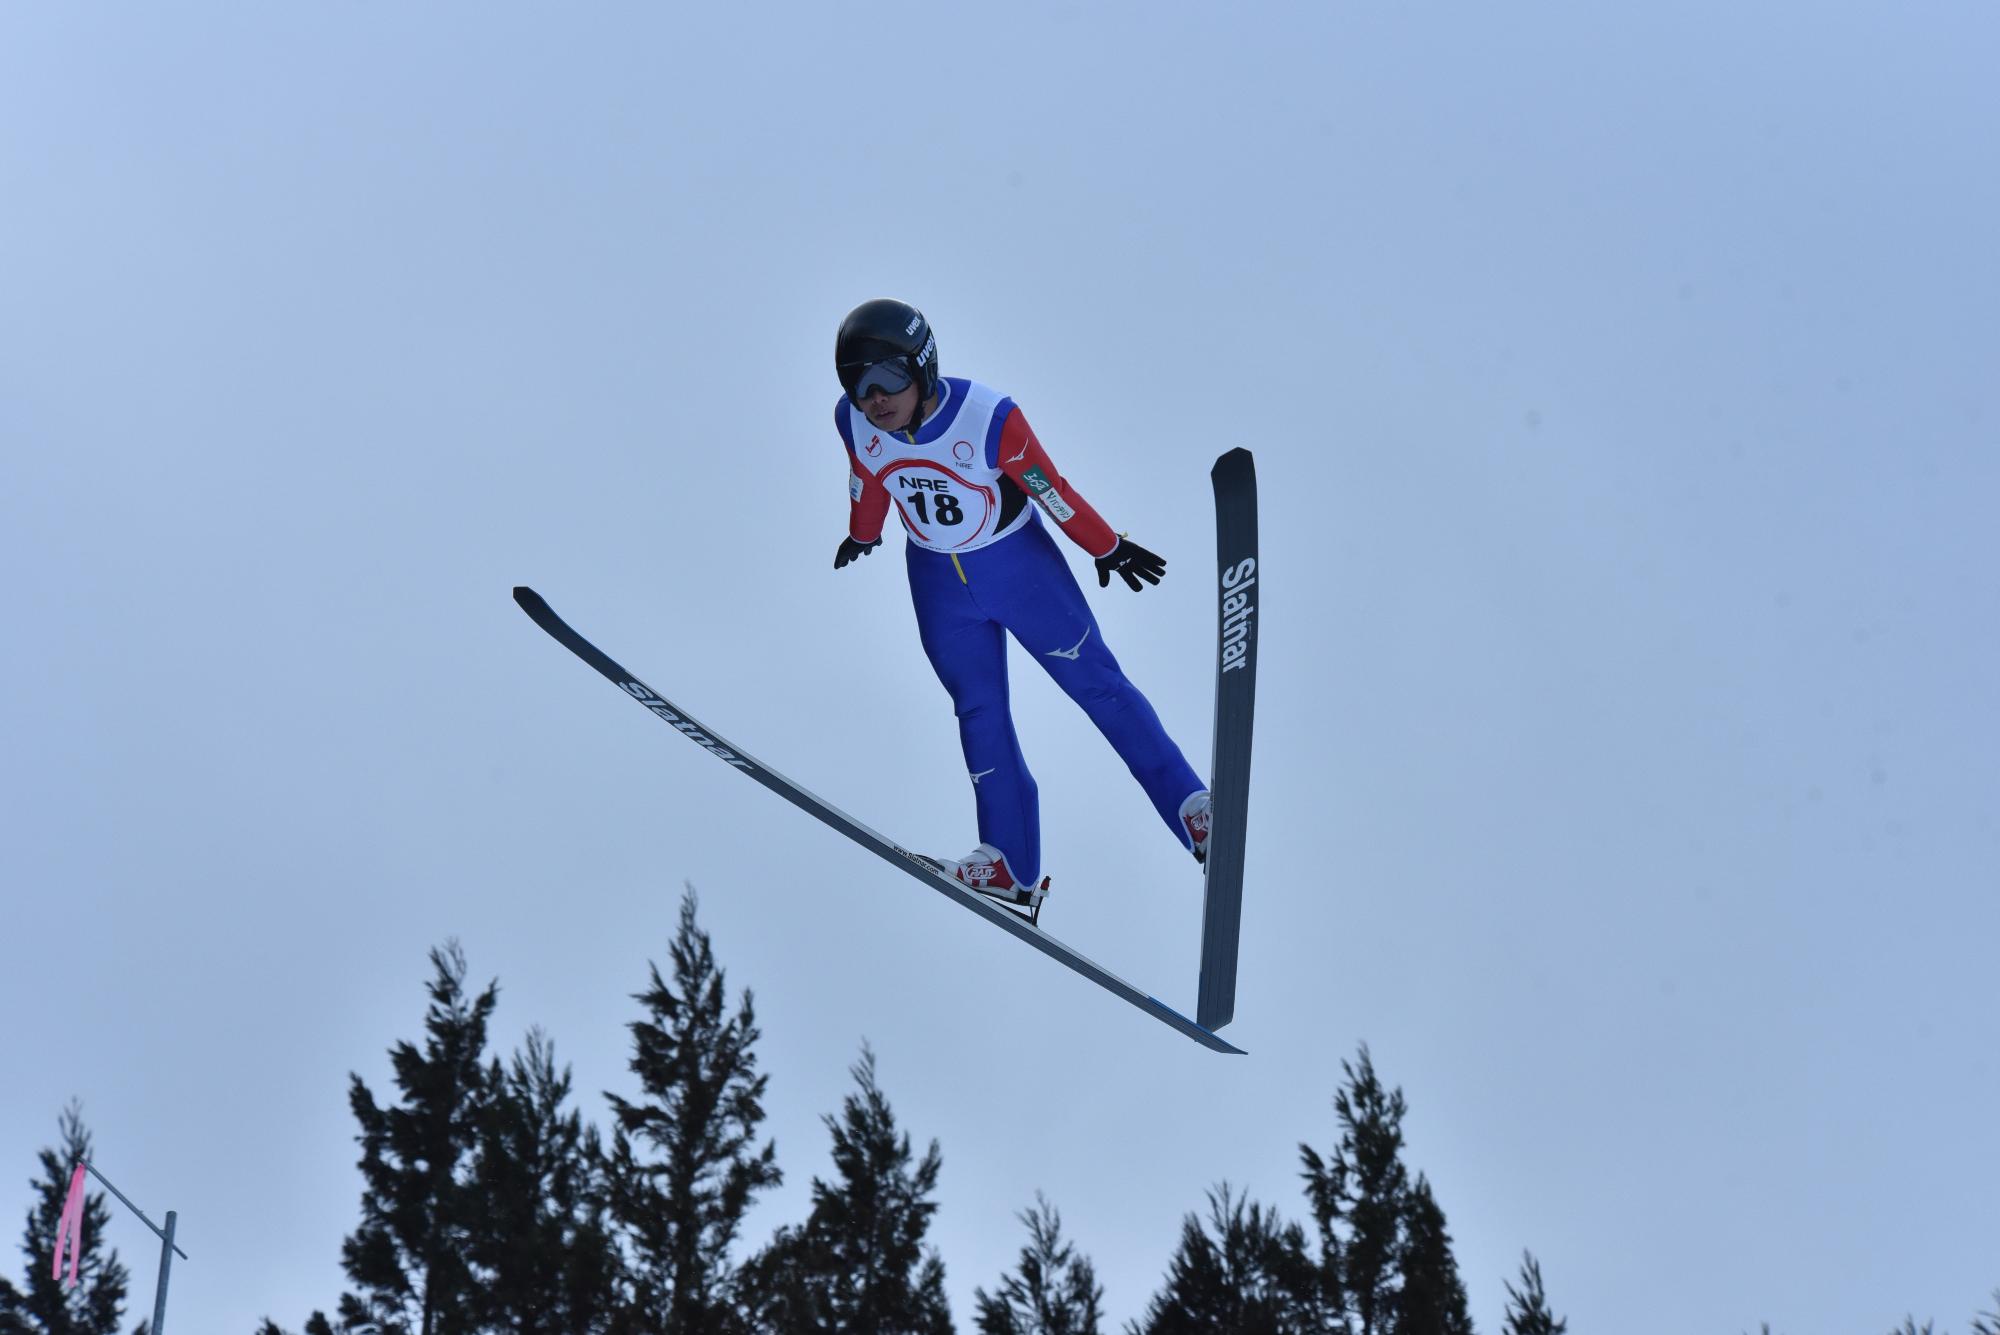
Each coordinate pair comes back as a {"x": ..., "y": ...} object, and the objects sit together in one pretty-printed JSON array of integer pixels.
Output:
[{"x": 1071, "y": 652}]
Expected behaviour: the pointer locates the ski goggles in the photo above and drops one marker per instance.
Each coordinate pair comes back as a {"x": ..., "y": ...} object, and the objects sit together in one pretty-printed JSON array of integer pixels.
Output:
[{"x": 889, "y": 377}]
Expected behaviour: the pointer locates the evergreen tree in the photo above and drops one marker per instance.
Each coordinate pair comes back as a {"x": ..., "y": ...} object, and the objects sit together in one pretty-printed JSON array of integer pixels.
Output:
[
  {"x": 409, "y": 1257},
  {"x": 49, "y": 1306},
  {"x": 1246, "y": 1272},
  {"x": 685, "y": 1163},
  {"x": 1988, "y": 1323},
  {"x": 858, "y": 1263},
  {"x": 317, "y": 1324},
  {"x": 1359, "y": 1197},
  {"x": 1053, "y": 1291},
  {"x": 1528, "y": 1311},
  {"x": 544, "y": 1254},
  {"x": 1432, "y": 1298}
]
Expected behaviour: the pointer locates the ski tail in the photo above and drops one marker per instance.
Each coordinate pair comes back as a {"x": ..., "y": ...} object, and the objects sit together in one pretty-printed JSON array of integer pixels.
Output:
[{"x": 1237, "y": 599}]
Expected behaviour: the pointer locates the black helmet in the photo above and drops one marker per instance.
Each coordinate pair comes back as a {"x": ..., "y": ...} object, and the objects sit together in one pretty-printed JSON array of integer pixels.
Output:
[{"x": 886, "y": 331}]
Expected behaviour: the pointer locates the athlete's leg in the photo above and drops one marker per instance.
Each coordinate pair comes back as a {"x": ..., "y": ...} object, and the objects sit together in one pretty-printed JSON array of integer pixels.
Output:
[
  {"x": 1039, "y": 601},
  {"x": 968, "y": 651}
]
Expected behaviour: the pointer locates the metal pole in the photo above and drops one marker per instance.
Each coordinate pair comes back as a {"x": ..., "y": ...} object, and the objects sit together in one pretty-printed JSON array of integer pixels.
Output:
[
  {"x": 128, "y": 1204},
  {"x": 166, "y": 1264},
  {"x": 167, "y": 1247}
]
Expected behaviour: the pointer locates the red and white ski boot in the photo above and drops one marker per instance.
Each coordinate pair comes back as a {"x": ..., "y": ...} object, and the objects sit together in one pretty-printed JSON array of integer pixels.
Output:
[
  {"x": 985, "y": 869},
  {"x": 1196, "y": 814}
]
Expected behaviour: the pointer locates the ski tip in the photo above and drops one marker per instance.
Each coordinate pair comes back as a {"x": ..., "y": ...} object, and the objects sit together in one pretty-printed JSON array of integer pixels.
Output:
[{"x": 527, "y": 597}]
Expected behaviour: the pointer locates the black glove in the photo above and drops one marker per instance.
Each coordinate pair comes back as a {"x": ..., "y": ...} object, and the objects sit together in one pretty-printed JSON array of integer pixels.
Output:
[
  {"x": 851, "y": 550},
  {"x": 1132, "y": 561}
]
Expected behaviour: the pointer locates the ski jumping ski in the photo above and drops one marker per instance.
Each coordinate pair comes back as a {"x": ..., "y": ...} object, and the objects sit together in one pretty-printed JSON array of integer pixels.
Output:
[
  {"x": 1235, "y": 480},
  {"x": 922, "y": 868}
]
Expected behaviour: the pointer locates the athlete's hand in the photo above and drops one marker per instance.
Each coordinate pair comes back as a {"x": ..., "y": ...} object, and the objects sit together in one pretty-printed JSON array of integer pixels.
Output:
[
  {"x": 1131, "y": 561},
  {"x": 851, "y": 550}
]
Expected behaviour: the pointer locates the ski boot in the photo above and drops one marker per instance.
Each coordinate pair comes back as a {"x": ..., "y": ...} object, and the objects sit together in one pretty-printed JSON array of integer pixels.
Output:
[
  {"x": 985, "y": 870},
  {"x": 1195, "y": 817}
]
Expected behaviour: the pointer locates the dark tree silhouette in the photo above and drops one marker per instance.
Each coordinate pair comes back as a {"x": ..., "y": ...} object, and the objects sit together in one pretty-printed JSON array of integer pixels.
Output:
[
  {"x": 685, "y": 1163},
  {"x": 48, "y": 1306},
  {"x": 317, "y": 1324},
  {"x": 1431, "y": 1300},
  {"x": 1244, "y": 1271},
  {"x": 409, "y": 1259},
  {"x": 1052, "y": 1290},
  {"x": 1358, "y": 1197},
  {"x": 542, "y": 1248},
  {"x": 1385, "y": 1252},
  {"x": 1988, "y": 1323},
  {"x": 859, "y": 1262},
  {"x": 1528, "y": 1310}
]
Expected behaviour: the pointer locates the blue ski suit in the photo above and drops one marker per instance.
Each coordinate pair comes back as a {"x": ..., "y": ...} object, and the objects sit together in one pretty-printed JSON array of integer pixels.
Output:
[{"x": 981, "y": 566}]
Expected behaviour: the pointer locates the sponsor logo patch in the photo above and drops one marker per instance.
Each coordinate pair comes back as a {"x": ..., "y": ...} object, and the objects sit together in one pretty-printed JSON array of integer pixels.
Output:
[
  {"x": 853, "y": 485},
  {"x": 961, "y": 450},
  {"x": 1050, "y": 498}
]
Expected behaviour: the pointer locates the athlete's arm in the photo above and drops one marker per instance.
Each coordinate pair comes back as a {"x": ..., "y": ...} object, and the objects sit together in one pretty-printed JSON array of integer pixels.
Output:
[
  {"x": 867, "y": 498},
  {"x": 867, "y": 504},
  {"x": 1023, "y": 459}
]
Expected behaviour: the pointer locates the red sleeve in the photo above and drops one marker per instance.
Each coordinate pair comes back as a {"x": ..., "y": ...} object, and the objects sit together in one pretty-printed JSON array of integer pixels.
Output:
[
  {"x": 867, "y": 502},
  {"x": 1023, "y": 459},
  {"x": 867, "y": 498}
]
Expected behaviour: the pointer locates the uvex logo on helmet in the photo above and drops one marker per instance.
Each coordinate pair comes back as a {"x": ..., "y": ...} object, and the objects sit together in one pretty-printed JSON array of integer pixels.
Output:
[{"x": 886, "y": 330}]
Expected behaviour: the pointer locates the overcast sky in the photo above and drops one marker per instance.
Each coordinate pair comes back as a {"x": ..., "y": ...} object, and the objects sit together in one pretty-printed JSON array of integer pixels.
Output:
[{"x": 1623, "y": 397}]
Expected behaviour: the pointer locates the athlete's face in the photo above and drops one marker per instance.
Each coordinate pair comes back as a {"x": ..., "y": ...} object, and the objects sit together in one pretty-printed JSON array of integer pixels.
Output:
[{"x": 890, "y": 412}]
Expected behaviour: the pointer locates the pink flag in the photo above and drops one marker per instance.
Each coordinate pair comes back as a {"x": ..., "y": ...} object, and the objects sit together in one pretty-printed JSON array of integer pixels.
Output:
[{"x": 69, "y": 1228}]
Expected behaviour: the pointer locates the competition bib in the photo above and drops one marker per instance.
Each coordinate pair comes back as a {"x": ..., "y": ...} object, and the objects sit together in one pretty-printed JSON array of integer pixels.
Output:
[
  {"x": 940, "y": 506},
  {"x": 944, "y": 483}
]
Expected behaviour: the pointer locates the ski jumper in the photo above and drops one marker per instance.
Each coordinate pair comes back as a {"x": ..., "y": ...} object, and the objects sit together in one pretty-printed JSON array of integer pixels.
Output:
[{"x": 981, "y": 565}]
